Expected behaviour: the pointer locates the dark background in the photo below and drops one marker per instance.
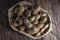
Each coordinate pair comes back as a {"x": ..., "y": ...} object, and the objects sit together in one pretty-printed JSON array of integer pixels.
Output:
[{"x": 7, "y": 33}]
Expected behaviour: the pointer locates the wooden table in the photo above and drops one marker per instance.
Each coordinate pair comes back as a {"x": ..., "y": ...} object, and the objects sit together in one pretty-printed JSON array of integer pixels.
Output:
[{"x": 52, "y": 6}]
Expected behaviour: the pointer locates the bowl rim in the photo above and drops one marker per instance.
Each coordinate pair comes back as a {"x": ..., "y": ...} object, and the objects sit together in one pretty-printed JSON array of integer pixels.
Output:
[{"x": 9, "y": 13}]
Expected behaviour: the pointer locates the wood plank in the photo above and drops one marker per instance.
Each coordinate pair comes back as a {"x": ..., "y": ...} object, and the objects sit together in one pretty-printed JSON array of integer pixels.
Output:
[{"x": 7, "y": 33}]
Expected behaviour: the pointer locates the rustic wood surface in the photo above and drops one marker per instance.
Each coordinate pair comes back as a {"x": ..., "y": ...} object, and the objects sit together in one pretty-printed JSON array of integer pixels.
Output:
[{"x": 7, "y": 33}]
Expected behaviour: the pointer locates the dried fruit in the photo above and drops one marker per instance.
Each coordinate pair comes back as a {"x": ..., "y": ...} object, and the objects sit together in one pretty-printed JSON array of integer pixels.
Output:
[
  {"x": 21, "y": 10},
  {"x": 39, "y": 26},
  {"x": 27, "y": 23},
  {"x": 27, "y": 13},
  {"x": 37, "y": 16},
  {"x": 43, "y": 14},
  {"x": 44, "y": 19},
  {"x": 35, "y": 22},
  {"x": 33, "y": 30},
  {"x": 32, "y": 18},
  {"x": 42, "y": 30},
  {"x": 21, "y": 28},
  {"x": 36, "y": 10},
  {"x": 15, "y": 24}
]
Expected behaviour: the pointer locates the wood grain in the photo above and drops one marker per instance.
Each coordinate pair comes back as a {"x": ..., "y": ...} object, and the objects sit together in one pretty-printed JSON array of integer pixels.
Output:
[{"x": 52, "y": 6}]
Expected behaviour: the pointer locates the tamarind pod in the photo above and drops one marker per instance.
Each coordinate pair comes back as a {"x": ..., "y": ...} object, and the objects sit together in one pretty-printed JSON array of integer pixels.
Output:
[
  {"x": 44, "y": 14},
  {"x": 27, "y": 23},
  {"x": 15, "y": 24},
  {"x": 36, "y": 10},
  {"x": 27, "y": 13},
  {"x": 44, "y": 19},
  {"x": 42, "y": 30},
  {"x": 21, "y": 10},
  {"x": 21, "y": 28},
  {"x": 33, "y": 30},
  {"x": 20, "y": 22},
  {"x": 35, "y": 22},
  {"x": 39, "y": 26},
  {"x": 32, "y": 18},
  {"x": 37, "y": 17}
]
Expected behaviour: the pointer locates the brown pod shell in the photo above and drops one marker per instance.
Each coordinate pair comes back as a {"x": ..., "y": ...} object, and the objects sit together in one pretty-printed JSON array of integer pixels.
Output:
[
  {"x": 38, "y": 34},
  {"x": 26, "y": 20},
  {"x": 27, "y": 23},
  {"x": 33, "y": 30},
  {"x": 21, "y": 10},
  {"x": 37, "y": 16},
  {"x": 29, "y": 31},
  {"x": 20, "y": 22},
  {"x": 27, "y": 13},
  {"x": 43, "y": 14},
  {"x": 44, "y": 19},
  {"x": 36, "y": 10},
  {"x": 15, "y": 24},
  {"x": 42, "y": 30},
  {"x": 21, "y": 28},
  {"x": 32, "y": 18},
  {"x": 17, "y": 18},
  {"x": 35, "y": 22},
  {"x": 39, "y": 26}
]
